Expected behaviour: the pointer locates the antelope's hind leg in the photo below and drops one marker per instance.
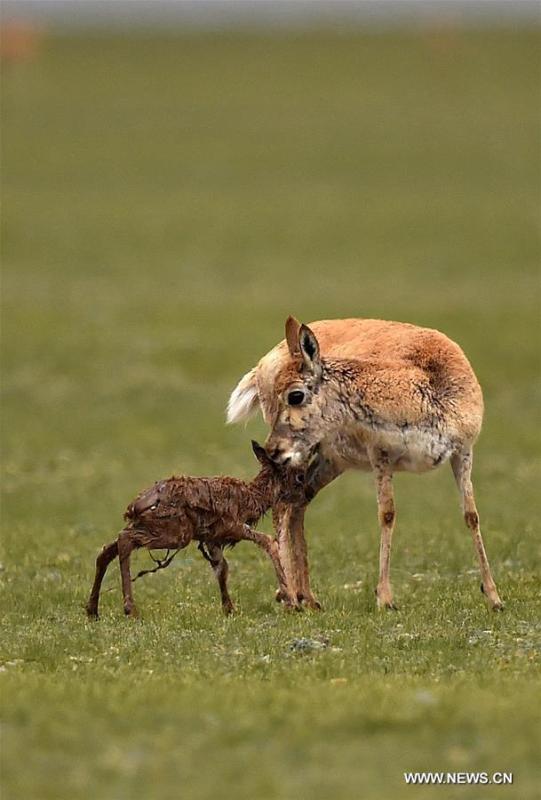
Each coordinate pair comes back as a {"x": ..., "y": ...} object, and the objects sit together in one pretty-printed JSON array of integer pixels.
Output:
[
  {"x": 462, "y": 467},
  {"x": 220, "y": 567},
  {"x": 105, "y": 556}
]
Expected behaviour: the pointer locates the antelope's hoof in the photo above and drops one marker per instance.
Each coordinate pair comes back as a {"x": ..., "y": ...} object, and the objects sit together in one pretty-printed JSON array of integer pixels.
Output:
[
  {"x": 292, "y": 604},
  {"x": 92, "y": 614},
  {"x": 228, "y": 608},
  {"x": 312, "y": 603},
  {"x": 495, "y": 602},
  {"x": 385, "y": 603},
  {"x": 131, "y": 612}
]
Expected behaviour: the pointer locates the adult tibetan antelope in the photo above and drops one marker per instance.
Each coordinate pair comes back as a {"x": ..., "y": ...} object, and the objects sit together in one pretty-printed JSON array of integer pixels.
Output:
[{"x": 371, "y": 395}]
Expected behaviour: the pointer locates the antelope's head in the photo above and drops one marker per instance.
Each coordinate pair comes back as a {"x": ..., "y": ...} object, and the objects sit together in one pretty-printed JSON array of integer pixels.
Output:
[{"x": 304, "y": 409}]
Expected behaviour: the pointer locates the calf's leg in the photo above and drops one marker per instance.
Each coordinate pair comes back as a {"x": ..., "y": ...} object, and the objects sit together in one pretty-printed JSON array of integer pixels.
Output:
[
  {"x": 271, "y": 548},
  {"x": 105, "y": 556},
  {"x": 125, "y": 546},
  {"x": 221, "y": 569}
]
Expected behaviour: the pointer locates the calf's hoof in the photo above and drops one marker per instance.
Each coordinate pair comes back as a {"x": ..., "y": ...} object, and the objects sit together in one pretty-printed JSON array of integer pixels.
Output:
[
  {"x": 92, "y": 613},
  {"x": 131, "y": 611},
  {"x": 228, "y": 608}
]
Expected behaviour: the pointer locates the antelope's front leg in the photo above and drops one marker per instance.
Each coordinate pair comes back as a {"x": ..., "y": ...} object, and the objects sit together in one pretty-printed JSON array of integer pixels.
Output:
[
  {"x": 289, "y": 526},
  {"x": 271, "y": 547},
  {"x": 321, "y": 472},
  {"x": 281, "y": 517},
  {"x": 300, "y": 552},
  {"x": 386, "y": 515}
]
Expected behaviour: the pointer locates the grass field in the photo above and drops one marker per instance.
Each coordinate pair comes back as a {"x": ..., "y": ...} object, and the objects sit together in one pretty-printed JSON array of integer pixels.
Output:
[{"x": 167, "y": 203}]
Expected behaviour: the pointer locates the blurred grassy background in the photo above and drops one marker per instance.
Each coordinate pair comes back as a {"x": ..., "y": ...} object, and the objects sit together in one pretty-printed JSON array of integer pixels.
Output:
[{"x": 167, "y": 203}]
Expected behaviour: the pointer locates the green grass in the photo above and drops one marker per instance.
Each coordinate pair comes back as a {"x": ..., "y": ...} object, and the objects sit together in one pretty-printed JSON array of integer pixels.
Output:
[{"x": 167, "y": 204}]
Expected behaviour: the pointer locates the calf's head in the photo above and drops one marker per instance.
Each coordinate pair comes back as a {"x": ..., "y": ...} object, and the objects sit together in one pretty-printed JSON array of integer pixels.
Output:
[{"x": 285, "y": 484}]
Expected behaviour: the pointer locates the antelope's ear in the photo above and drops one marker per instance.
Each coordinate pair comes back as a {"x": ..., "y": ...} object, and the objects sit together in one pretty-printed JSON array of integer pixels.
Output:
[
  {"x": 293, "y": 327},
  {"x": 309, "y": 347},
  {"x": 260, "y": 453}
]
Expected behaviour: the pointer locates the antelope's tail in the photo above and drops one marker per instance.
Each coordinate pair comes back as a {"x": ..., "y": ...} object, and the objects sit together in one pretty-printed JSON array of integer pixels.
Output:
[{"x": 244, "y": 400}]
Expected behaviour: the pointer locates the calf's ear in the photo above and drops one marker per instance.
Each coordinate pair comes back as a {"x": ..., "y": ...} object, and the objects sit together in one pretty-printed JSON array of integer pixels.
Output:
[
  {"x": 309, "y": 347},
  {"x": 260, "y": 453},
  {"x": 293, "y": 327}
]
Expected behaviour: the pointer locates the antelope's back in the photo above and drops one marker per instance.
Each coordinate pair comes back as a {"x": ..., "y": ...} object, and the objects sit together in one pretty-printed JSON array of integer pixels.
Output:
[{"x": 395, "y": 344}]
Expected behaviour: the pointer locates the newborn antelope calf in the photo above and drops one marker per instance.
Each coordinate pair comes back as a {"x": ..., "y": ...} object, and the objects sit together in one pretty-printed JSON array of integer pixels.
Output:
[{"x": 216, "y": 512}]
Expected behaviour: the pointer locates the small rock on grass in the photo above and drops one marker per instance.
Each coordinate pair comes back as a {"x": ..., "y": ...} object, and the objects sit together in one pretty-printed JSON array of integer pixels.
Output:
[{"x": 305, "y": 645}]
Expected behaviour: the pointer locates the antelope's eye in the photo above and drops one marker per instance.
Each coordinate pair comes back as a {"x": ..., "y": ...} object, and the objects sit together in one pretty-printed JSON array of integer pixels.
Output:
[{"x": 295, "y": 398}]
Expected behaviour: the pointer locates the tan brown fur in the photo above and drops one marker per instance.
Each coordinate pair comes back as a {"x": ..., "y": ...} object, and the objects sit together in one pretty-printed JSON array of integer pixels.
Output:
[
  {"x": 387, "y": 359},
  {"x": 380, "y": 396},
  {"x": 216, "y": 512}
]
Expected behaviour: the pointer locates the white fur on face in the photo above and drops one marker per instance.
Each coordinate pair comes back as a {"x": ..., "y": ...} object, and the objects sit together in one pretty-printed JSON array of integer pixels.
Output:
[{"x": 296, "y": 459}]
